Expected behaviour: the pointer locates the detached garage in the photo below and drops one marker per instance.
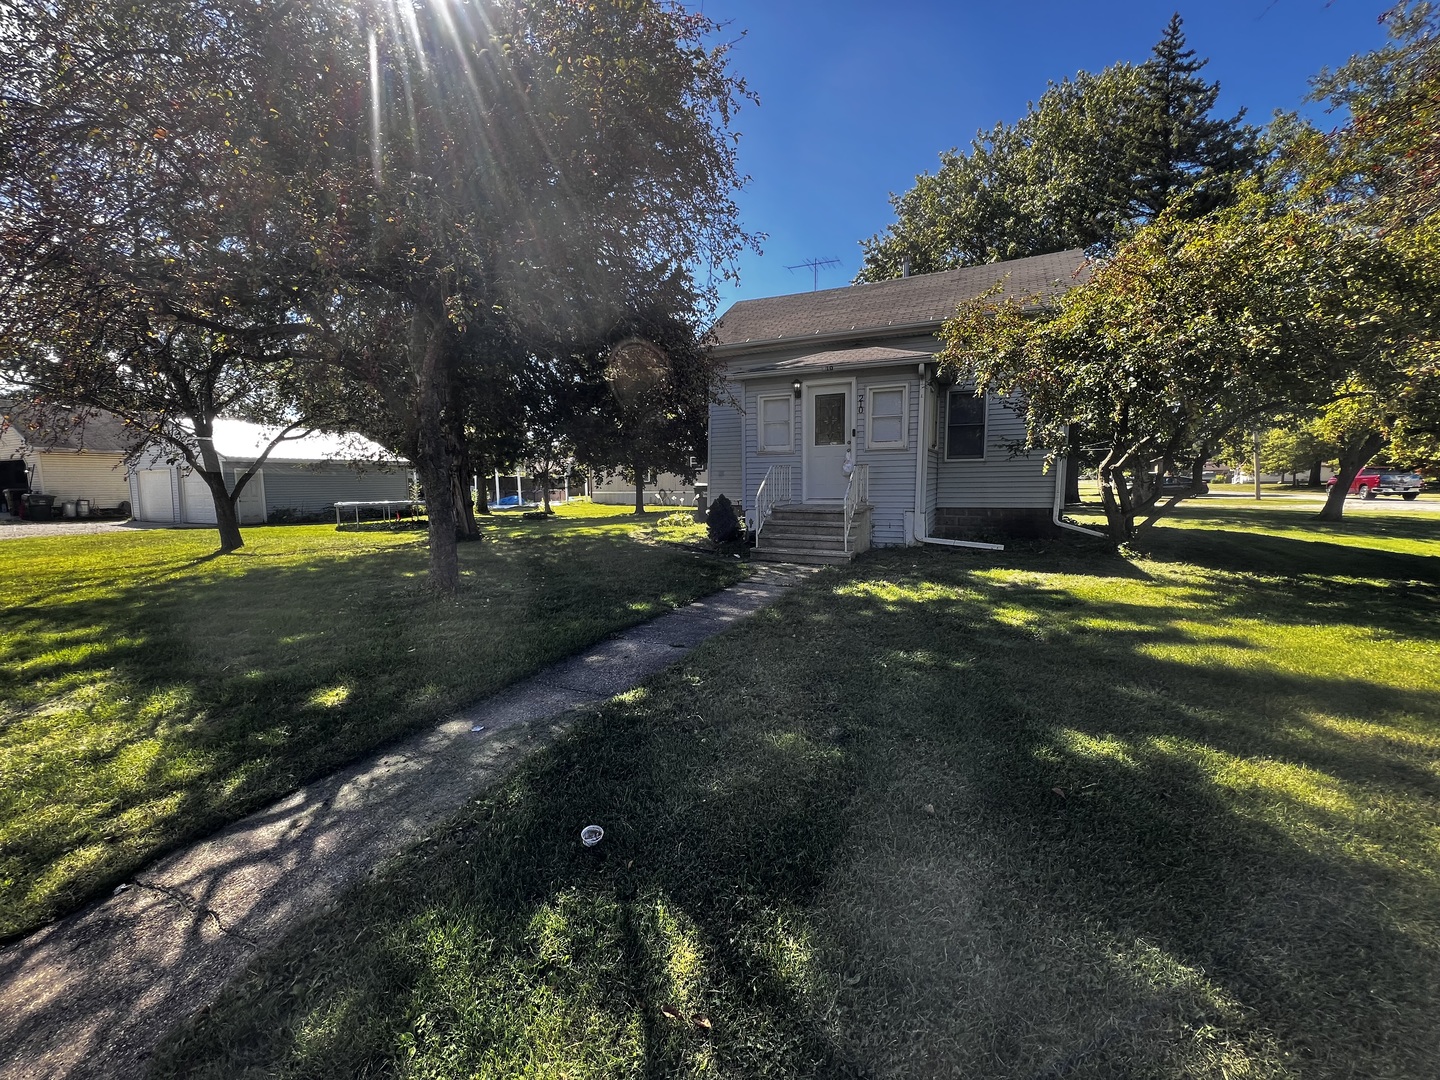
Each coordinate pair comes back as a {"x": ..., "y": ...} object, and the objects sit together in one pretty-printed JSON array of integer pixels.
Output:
[
  {"x": 302, "y": 478},
  {"x": 77, "y": 459}
]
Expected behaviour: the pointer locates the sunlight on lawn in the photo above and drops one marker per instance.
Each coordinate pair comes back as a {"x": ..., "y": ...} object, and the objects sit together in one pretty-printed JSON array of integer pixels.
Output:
[{"x": 150, "y": 691}]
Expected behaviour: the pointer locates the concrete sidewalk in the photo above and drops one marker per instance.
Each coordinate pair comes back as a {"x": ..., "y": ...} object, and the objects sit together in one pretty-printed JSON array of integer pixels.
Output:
[{"x": 91, "y": 995}]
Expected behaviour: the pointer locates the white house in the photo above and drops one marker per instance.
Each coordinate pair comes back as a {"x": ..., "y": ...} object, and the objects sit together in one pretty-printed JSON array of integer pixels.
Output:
[
  {"x": 301, "y": 477},
  {"x": 837, "y": 433},
  {"x": 70, "y": 461},
  {"x": 661, "y": 489}
]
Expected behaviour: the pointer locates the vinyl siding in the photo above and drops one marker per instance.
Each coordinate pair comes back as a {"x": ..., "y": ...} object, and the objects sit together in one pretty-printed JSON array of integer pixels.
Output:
[
  {"x": 756, "y": 463},
  {"x": 307, "y": 489},
  {"x": 97, "y": 477},
  {"x": 932, "y": 459},
  {"x": 999, "y": 480},
  {"x": 71, "y": 474},
  {"x": 892, "y": 472},
  {"x": 724, "y": 472}
]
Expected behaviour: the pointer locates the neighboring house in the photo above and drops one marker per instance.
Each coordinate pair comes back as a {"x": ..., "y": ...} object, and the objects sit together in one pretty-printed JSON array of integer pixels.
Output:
[
  {"x": 301, "y": 478},
  {"x": 84, "y": 460},
  {"x": 821, "y": 381},
  {"x": 661, "y": 489}
]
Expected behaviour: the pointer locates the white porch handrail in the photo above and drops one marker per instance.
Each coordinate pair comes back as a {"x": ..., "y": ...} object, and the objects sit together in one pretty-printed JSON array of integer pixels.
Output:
[
  {"x": 775, "y": 490},
  {"x": 857, "y": 493}
]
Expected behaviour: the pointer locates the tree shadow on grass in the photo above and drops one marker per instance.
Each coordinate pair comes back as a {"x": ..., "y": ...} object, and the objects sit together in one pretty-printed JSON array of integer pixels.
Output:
[
  {"x": 506, "y": 944},
  {"x": 145, "y": 714},
  {"x": 1241, "y": 551},
  {"x": 1202, "y": 892},
  {"x": 1209, "y": 812}
]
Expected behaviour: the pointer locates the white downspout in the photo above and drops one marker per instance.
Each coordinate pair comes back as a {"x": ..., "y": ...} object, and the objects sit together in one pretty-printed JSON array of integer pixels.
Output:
[
  {"x": 1061, "y": 464},
  {"x": 921, "y": 452}
]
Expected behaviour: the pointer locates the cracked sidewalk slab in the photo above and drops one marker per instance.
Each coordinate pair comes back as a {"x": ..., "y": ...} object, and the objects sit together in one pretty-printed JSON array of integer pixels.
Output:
[{"x": 91, "y": 995}]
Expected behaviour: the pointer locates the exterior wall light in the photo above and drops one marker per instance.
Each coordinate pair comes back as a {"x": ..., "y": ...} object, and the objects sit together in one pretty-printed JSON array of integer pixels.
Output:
[{"x": 795, "y": 386}]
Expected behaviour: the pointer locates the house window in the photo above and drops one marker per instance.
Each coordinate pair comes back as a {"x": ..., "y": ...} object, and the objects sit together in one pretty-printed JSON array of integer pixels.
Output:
[
  {"x": 887, "y": 418},
  {"x": 964, "y": 425},
  {"x": 777, "y": 412}
]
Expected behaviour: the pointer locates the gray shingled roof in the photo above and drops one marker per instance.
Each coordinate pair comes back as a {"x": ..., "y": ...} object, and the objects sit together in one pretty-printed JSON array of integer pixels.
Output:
[
  {"x": 923, "y": 298},
  {"x": 65, "y": 429}
]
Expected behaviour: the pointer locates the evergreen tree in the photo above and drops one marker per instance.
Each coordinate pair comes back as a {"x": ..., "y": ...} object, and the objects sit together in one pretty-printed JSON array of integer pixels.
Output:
[
  {"x": 1095, "y": 158},
  {"x": 1178, "y": 148}
]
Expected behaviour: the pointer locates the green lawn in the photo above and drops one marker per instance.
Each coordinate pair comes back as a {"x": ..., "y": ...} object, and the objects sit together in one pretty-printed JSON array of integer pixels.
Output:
[
  {"x": 151, "y": 691},
  {"x": 1049, "y": 812}
]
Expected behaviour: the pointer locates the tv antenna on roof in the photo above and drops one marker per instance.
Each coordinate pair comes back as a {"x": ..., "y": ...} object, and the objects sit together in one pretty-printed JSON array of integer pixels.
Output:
[{"x": 814, "y": 266}]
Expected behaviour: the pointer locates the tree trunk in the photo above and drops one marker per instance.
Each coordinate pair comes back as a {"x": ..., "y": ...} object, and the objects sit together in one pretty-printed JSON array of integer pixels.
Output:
[
  {"x": 1315, "y": 474},
  {"x": 1114, "y": 499},
  {"x": 1353, "y": 458},
  {"x": 432, "y": 459},
  {"x": 1072, "y": 466},
  {"x": 461, "y": 475},
  {"x": 227, "y": 519},
  {"x": 639, "y": 490},
  {"x": 1197, "y": 481},
  {"x": 482, "y": 489},
  {"x": 545, "y": 487}
]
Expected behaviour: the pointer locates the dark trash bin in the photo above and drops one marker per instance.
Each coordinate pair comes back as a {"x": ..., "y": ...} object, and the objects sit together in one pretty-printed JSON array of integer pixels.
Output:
[
  {"x": 39, "y": 507},
  {"x": 13, "y": 501}
]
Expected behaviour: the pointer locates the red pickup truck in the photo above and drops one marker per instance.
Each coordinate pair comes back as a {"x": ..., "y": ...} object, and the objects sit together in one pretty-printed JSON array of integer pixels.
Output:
[{"x": 1372, "y": 481}]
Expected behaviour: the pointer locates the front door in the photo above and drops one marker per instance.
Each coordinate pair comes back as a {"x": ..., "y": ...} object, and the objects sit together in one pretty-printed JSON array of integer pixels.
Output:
[{"x": 828, "y": 430}]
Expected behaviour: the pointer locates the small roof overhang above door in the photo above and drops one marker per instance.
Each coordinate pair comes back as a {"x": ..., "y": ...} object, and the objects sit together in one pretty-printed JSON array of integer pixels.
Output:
[{"x": 837, "y": 360}]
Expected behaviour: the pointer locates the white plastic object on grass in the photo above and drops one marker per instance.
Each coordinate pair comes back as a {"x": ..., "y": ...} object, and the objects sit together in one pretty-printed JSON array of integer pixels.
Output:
[{"x": 590, "y": 835}]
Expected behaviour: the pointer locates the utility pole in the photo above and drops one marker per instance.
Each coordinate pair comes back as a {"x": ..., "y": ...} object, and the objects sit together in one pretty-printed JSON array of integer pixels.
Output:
[{"x": 1256, "y": 436}]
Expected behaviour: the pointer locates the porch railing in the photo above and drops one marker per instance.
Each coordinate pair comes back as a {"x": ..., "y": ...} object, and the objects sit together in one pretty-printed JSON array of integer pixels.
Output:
[
  {"x": 857, "y": 494},
  {"x": 775, "y": 490}
]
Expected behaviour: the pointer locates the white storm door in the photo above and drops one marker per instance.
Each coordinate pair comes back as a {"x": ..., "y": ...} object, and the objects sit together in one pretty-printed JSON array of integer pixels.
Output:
[{"x": 828, "y": 430}]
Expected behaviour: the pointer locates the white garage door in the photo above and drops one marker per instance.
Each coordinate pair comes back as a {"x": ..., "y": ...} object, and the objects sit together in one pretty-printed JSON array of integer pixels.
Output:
[
  {"x": 199, "y": 503},
  {"x": 155, "y": 502}
]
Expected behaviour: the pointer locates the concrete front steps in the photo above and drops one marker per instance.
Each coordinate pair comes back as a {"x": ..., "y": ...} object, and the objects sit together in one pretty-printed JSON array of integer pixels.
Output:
[{"x": 812, "y": 535}]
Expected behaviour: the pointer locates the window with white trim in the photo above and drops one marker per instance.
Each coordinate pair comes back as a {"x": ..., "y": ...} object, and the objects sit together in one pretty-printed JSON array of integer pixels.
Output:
[
  {"x": 964, "y": 425},
  {"x": 777, "y": 414},
  {"x": 886, "y": 414}
]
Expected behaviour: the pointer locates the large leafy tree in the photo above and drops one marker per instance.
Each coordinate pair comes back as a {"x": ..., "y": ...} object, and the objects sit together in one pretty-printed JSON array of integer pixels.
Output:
[
  {"x": 1194, "y": 328},
  {"x": 411, "y": 189},
  {"x": 133, "y": 230},
  {"x": 500, "y": 172},
  {"x": 1378, "y": 173},
  {"x": 1097, "y": 156},
  {"x": 1381, "y": 165}
]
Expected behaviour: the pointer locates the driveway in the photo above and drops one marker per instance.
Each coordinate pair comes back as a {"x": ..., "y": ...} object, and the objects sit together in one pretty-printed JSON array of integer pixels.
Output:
[{"x": 13, "y": 528}]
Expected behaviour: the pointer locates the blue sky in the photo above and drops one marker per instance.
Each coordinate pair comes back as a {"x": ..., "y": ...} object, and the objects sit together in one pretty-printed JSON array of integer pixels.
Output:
[{"x": 857, "y": 98}]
